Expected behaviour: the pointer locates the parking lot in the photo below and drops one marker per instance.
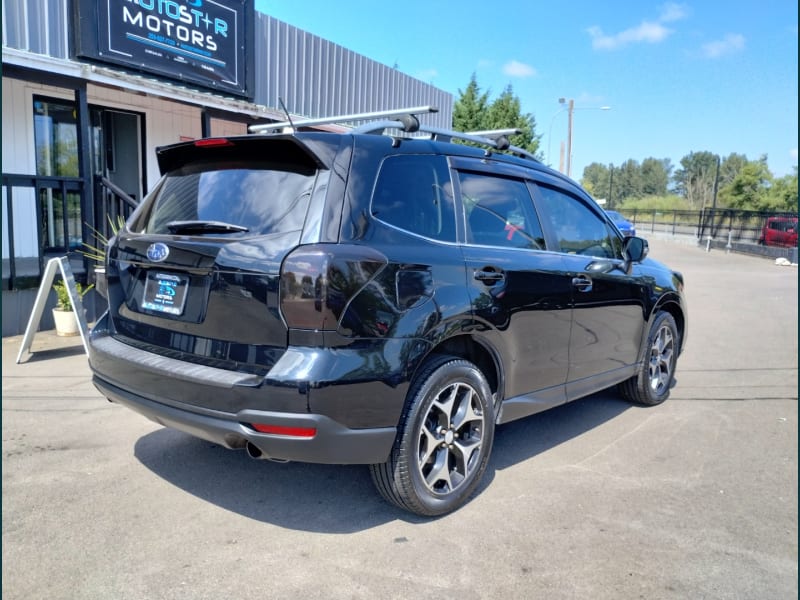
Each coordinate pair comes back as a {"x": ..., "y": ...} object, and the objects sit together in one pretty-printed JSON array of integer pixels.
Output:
[{"x": 696, "y": 498}]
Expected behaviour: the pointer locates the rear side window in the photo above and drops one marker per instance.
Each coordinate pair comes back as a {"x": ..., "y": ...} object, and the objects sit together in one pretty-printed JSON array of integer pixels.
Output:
[
  {"x": 414, "y": 193},
  {"x": 251, "y": 196},
  {"x": 498, "y": 212}
]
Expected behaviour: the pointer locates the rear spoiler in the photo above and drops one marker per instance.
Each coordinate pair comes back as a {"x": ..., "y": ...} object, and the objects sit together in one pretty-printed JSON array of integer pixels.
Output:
[{"x": 283, "y": 149}]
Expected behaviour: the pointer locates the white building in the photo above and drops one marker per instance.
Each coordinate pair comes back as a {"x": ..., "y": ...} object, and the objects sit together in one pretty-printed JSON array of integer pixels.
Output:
[{"x": 92, "y": 87}]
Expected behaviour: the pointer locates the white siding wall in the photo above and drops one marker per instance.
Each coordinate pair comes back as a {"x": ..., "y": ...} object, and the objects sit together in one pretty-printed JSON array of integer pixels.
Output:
[
  {"x": 166, "y": 122},
  {"x": 19, "y": 156}
]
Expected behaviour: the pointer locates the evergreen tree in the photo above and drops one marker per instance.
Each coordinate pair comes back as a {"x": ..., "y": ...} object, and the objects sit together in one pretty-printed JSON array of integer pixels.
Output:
[
  {"x": 471, "y": 108},
  {"x": 473, "y": 112}
]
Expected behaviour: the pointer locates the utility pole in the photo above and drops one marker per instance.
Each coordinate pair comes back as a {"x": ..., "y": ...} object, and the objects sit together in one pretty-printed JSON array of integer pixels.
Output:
[
  {"x": 569, "y": 138},
  {"x": 610, "y": 185}
]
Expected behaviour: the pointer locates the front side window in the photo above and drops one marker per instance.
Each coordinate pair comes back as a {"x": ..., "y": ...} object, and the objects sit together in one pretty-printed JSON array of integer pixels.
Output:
[
  {"x": 578, "y": 229},
  {"x": 414, "y": 193},
  {"x": 498, "y": 212},
  {"x": 254, "y": 199}
]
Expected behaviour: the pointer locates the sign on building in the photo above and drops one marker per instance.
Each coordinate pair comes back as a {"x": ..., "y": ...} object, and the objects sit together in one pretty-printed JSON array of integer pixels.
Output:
[{"x": 205, "y": 42}]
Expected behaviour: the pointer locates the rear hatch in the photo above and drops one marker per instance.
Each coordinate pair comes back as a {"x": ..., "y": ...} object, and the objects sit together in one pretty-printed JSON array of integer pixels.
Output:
[{"x": 195, "y": 274}]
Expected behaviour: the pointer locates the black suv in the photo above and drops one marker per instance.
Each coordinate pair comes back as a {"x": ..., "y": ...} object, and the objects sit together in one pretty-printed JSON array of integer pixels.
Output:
[{"x": 362, "y": 297}]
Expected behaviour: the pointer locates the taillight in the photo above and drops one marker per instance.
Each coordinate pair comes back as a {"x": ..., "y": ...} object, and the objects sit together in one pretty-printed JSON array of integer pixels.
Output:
[{"x": 318, "y": 282}]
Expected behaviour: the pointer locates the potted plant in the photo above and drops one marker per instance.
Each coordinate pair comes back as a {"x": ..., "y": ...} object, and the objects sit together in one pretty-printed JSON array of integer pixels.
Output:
[
  {"x": 63, "y": 314},
  {"x": 97, "y": 252}
]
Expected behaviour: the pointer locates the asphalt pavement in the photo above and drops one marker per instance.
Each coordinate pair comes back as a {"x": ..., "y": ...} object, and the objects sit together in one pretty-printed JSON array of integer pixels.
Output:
[{"x": 696, "y": 498}]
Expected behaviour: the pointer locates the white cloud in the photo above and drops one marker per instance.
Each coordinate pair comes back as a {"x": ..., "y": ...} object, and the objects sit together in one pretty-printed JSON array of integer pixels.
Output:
[
  {"x": 672, "y": 12},
  {"x": 793, "y": 154},
  {"x": 650, "y": 32},
  {"x": 427, "y": 74},
  {"x": 515, "y": 68},
  {"x": 647, "y": 31},
  {"x": 732, "y": 42}
]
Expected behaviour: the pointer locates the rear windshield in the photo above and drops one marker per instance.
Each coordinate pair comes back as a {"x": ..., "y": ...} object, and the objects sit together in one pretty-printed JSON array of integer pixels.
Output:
[{"x": 254, "y": 198}]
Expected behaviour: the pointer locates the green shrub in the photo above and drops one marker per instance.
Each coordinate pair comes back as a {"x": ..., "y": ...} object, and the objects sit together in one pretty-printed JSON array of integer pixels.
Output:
[{"x": 62, "y": 294}]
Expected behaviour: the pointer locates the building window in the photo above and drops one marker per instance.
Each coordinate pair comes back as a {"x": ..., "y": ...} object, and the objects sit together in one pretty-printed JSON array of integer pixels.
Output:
[{"x": 56, "y": 138}]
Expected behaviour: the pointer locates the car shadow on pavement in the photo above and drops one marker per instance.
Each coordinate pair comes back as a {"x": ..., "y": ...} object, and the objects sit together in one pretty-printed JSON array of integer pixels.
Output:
[{"x": 339, "y": 498}]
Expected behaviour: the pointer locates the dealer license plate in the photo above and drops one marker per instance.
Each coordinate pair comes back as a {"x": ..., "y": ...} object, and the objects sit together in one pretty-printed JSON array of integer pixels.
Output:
[{"x": 165, "y": 292}]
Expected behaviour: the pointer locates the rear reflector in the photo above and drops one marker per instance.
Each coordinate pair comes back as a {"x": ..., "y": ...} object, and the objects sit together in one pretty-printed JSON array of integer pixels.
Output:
[{"x": 304, "y": 432}]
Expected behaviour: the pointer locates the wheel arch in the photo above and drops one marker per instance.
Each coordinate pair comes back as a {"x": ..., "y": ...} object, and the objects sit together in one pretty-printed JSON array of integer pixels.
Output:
[
  {"x": 672, "y": 307},
  {"x": 483, "y": 357}
]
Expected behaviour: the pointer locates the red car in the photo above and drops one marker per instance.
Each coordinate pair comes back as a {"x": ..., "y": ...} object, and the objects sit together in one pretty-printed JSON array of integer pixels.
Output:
[{"x": 779, "y": 231}]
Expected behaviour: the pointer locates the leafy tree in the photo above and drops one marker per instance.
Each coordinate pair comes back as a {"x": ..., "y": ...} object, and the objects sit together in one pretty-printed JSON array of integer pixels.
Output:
[
  {"x": 782, "y": 195},
  {"x": 655, "y": 176},
  {"x": 695, "y": 179},
  {"x": 750, "y": 187},
  {"x": 596, "y": 180},
  {"x": 628, "y": 182},
  {"x": 730, "y": 167}
]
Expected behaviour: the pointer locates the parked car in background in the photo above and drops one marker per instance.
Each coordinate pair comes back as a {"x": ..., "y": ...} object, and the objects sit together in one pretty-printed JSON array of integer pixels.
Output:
[
  {"x": 625, "y": 227},
  {"x": 779, "y": 231}
]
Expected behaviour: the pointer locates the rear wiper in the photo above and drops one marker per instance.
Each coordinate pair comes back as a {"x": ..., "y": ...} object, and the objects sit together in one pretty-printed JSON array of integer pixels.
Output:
[{"x": 204, "y": 227}]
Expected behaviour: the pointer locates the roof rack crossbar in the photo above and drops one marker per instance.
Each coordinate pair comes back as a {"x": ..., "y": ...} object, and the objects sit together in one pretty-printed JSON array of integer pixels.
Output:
[
  {"x": 496, "y": 133},
  {"x": 438, "y": 134},
  {"x": 398, "y": 112},
  {"x": 379, "y": 126}
]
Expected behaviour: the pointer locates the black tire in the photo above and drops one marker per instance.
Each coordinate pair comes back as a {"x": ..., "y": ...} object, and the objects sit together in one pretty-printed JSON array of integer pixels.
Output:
[
  {"x": 651, "y": 385},
  {"x": 443, "y": 442}
]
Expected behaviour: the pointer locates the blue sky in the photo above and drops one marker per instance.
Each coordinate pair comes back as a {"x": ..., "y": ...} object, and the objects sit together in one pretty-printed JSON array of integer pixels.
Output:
[{"x": 679, "y": 77}]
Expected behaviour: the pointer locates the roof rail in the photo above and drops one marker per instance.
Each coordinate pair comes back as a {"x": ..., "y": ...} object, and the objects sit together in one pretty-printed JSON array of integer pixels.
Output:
[
  {"x": 405, "y": 120},
  {"x": 402, "y": 113},
  {"x": 493, "y": 138}
]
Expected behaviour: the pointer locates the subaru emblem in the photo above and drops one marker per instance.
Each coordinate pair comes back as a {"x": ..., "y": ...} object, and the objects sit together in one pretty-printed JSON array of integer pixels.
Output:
[{"x": 157, "y": 252}]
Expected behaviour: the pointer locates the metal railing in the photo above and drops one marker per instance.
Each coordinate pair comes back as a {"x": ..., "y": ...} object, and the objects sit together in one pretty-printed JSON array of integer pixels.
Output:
[
  {"x": 54, "y": 196},
  {"x": 112, "y": 203},
  {"x": 56, "y": 191},
  {"x": 723, "y": 228},
  {"x": 744, "y": 226}
]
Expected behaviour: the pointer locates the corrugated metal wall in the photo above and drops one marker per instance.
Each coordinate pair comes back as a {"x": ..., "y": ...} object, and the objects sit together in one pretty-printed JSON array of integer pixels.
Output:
[
  {"x": 315, "y": 77},
  {"x": 318, "y": 78}
]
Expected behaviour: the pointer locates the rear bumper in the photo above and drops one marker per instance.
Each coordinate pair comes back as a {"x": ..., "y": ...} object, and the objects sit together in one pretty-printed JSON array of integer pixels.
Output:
[
  {"x": 332, "y": 444},
  {"x": 221, "y": 406}
]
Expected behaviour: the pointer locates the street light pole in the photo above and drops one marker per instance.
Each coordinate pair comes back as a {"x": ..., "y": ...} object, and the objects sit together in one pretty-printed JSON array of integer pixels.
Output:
[
  {"x": 550, "y": 131},
  {"x": 569, "y": 138},
  {"x": 568, "y": 105}
]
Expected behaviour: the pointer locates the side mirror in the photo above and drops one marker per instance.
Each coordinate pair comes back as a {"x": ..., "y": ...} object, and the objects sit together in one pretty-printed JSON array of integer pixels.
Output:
[{"x": 634, "y": 249}]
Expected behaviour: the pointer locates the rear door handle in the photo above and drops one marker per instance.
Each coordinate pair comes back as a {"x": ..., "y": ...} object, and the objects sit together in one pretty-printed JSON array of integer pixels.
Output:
[
  {"x": 489, "y": 276},
  {"x": 582, "y": 283}
]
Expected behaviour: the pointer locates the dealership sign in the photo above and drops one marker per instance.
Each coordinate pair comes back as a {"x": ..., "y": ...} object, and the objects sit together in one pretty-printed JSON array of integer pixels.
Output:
[{"x": 201, "y": 41}]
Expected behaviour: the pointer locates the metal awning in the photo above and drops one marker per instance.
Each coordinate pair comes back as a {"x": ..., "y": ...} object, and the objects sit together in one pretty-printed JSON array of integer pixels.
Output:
[{"x": 151, "y": 86}]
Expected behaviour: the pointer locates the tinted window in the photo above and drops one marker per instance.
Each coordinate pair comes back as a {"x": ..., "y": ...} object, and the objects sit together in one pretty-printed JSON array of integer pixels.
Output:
[
  {"x": 498, "y": 212},
  {"x": 414, "y": 193},
  {"x": 262, "y": 200},
  {"x": 578, "y": 229}
]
